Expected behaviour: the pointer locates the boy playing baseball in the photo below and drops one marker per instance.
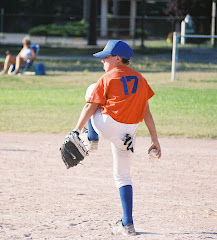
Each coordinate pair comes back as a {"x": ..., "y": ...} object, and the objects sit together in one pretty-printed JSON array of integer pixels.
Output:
[{"x": 114, "y": 107}]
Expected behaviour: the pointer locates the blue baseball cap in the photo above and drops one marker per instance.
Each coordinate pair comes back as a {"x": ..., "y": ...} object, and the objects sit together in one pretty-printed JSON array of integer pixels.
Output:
[{"x": 116, "y": 47}]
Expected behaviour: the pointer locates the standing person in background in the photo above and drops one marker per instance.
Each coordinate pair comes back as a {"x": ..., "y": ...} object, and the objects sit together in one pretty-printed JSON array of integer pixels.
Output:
[
  {"x": 23, "y": 56},
  {"x": 114, "y": 107}
]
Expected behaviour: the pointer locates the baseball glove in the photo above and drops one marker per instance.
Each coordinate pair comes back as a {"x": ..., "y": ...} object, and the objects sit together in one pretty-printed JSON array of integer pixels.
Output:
[{"x": 73, "y": 150}]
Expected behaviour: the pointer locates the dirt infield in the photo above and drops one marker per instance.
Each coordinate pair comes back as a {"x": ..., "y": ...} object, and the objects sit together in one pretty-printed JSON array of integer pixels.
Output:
[{"x": 174, "y": 198}]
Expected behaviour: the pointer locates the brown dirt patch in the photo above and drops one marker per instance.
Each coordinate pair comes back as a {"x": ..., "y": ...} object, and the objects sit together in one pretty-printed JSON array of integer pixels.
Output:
[{"x": 174, "y": 197}]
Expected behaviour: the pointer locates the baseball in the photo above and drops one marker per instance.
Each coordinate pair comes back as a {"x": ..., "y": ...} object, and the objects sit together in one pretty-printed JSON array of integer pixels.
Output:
[{"x": 153, "y": 153}]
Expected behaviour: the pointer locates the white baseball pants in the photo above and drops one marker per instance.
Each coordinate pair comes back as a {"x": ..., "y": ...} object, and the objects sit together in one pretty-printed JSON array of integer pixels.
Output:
[{"x": 115, "y": 131}]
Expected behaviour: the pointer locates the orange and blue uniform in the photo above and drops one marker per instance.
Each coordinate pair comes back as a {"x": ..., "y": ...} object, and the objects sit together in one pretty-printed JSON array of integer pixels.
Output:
[{"x": 123, "y": 94}]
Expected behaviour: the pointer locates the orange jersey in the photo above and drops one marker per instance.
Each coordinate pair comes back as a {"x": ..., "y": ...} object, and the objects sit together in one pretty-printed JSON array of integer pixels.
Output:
[{"x": 123, "y": 94}]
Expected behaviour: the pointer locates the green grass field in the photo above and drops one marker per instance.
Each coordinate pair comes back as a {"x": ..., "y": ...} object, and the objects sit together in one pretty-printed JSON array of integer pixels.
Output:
[{"x": 52, "y": 103}]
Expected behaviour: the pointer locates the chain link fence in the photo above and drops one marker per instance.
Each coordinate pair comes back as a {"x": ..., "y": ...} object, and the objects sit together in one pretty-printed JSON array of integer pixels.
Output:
[
  {"x": 154, "y": 27},
  {"x": 194, "y": 60}
]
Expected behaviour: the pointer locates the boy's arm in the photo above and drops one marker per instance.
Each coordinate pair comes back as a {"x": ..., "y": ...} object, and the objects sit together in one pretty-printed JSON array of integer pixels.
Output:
[
  {"x": 33, "y": 57},
  {"x": 88, "y": 110},
  {"x": 152, "y": 130}
]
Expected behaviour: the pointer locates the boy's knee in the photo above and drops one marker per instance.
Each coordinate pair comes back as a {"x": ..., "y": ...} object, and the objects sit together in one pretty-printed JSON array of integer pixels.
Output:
[
  {"x": 89, "y": 91},
  {"x": 8, "y": 57}
]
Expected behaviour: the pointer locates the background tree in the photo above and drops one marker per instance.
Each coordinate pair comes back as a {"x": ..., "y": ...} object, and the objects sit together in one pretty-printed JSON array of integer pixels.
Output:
[
  {"x": 20, "y": 15},
  {"x": 199, "y": 10}
]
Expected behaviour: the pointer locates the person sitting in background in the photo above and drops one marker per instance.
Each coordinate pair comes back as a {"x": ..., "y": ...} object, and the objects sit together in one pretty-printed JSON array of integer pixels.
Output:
[{"x": 23, "y": 56}]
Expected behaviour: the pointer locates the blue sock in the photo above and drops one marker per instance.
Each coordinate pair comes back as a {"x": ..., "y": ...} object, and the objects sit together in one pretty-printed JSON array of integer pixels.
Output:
[
  {"x": 126, "y": 194},
  {"x": 92, "y": 135}
]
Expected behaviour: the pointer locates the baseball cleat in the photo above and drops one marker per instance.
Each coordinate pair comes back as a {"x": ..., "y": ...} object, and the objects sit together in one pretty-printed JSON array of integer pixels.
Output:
[{"x": 127, "y": 230}]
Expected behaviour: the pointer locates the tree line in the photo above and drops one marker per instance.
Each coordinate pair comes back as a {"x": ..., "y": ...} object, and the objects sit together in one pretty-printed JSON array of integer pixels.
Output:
[{"x": 29, "y": 13}]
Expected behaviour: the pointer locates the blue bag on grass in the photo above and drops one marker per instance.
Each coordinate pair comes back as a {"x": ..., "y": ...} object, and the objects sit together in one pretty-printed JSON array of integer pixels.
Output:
[{"x": 40, "y": 69}]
